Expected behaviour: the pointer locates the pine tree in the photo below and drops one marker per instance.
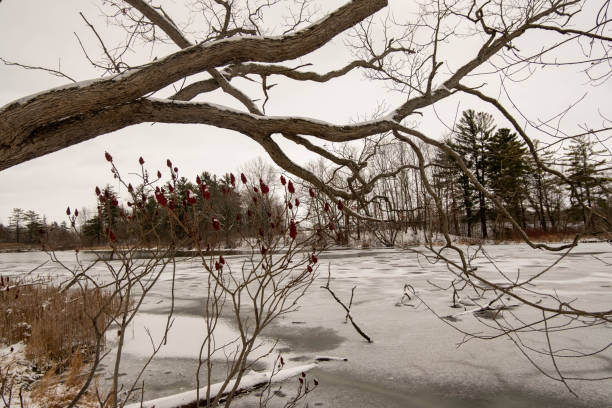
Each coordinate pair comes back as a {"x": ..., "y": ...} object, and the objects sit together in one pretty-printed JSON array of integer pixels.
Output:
[
  {"x": 92, "y": 229},
  {"x": 445, "y": 176},
  {"x": 16, "y": 223},
  {"x": 470, "y": 141},
  {"x": 585, "y": 172},
  {"x": 507, "y": 171},
  {"x": 32, "y": 224},
  {"x": 545, "y": 195}
]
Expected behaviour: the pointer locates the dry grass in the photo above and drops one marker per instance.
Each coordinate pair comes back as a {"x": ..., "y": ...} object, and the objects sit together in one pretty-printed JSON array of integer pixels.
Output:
[
  {"x": 57, "y": 328},
  {"x": 16, "y": 247},
  {"x": 53, "y": 324},
  {"x": 57, "y": 391},
  {"x": 538, "y": 235},
  {"x": 541, "y": 236}
]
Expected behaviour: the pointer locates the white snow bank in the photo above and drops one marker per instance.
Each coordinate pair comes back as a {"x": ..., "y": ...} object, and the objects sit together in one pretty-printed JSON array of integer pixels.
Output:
[
  {"x": 248, "y": 381},
  {"x": 18, "y": 374},
  {"x": 12, "y": 350}
]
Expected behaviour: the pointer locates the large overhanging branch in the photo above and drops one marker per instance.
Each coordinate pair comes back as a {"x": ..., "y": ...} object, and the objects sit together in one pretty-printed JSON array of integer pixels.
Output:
[
  {"x": 258, "y": 128},
  {"x": 24, "y": 123},
  {"x": 42, "y": 123},
  {"x": 19, "y": 120},
  {"x": 242, "y": 70}
]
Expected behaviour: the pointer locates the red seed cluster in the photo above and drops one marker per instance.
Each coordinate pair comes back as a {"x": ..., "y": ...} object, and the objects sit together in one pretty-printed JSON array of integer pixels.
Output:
[
  {"x": 264, "y": 188},
  {"x": 292, "y": 230},
  {"x": 205, "y": 192},
  {"x": 111, "y": 235},
  {"x": 161, "y": 198},
  {"x": 191, "y": 197}
]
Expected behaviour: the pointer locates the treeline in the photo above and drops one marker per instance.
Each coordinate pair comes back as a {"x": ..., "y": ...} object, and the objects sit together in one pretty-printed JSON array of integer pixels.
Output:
[
  {"x": 207, "y": 197},
  {"x": 546, "y": 204},
  {"x": 26, "y": 227},
  {"x": 542, "y": 202}
]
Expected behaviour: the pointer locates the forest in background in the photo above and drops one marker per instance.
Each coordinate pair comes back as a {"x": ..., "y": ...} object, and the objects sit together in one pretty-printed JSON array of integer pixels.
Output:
[{"x": 546, "y": 208}]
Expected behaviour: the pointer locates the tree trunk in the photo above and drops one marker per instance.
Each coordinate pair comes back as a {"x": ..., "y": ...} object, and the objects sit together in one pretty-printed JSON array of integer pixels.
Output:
[{"x": 483, "y": 215}]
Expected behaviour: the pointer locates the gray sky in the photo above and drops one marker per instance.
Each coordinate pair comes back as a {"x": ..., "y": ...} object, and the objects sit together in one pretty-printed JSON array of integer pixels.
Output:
[{"x": 41, "y": 33}]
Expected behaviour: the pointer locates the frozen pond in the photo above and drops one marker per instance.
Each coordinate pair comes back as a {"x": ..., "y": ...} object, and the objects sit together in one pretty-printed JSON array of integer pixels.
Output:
[{"x": 414, "y": 360}]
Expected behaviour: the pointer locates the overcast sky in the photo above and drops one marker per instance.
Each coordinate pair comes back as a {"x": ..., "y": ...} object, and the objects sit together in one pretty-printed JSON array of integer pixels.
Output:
[{"x": 41, "y": 33}]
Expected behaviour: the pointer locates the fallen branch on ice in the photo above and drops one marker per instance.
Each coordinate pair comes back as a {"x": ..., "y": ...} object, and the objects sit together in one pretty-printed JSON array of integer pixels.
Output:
[
  {"x": 488, "y": 311},
  {"x": 249, "y": 381},
  {"x": 348, "y": 311},
  {"x": 330, "y": 358}
]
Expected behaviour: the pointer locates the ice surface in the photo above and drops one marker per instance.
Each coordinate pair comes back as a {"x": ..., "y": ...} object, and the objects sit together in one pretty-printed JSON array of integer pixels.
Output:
[
  {"x": 184, "y": 338},
  {"x": 414, "y": 360}
]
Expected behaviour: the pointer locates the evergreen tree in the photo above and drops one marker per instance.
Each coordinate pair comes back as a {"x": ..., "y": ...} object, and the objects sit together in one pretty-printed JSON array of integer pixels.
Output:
[
  {"x": 107, "y": 217},
  {"x": 16, "y": 223},
  {"x": 108, "y": 209},
  {"x": 92, "y": 230},
  {"x": 445, "y": 176},
  {"x": 507, "y": 171},
  {"x": 585, "y": 172},
  {"x": 224, "y": 203},
  {"x": 545, "y": 195},
  {"x": 470, "y": 141},
  {"x": 33, "y": 223},
  {"x": 5, "y": 234}
]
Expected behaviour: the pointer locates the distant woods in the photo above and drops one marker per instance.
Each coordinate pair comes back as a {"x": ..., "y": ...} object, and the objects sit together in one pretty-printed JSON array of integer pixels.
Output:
[
  {"x": 25, "y": 228},
  {"x": 544, "y": 205},
  {"x": 541, "y": 203}
]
